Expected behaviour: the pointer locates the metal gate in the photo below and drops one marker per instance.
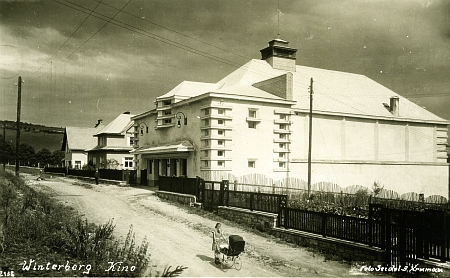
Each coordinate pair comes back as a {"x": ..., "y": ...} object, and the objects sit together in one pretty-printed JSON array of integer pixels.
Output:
[
  {"x": 214, "y": 194},
  {"x": 404, "y": 242},
  {"x": 411, "y": 235}
]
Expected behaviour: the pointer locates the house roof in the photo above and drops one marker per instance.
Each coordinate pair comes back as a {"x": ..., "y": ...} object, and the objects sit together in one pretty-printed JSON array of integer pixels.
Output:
[
  {"x": 119, "y": 125},
  {"x": 79, "y": 138},
  {"x": 188, "y": 89},
  {"x": 334, "y": 91},
  {"x": 170, "y": 147},
  {"x": 112, "y": 148}
]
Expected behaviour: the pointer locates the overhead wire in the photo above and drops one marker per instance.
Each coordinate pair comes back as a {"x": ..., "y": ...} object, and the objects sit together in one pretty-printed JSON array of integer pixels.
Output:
[
  {"x": 176, "y": 32},
  {"x": 112, "y": 20},
  {"x": 71, "y": 35},
  {"x": 157, "y": 37}
]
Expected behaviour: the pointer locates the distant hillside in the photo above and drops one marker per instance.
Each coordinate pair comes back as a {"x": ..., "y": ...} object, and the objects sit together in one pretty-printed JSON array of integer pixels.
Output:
[{"x": 37, "y": 136}]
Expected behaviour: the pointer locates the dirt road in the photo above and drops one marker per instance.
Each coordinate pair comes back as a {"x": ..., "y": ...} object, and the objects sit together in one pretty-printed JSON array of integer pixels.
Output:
[{"x": 177, "y": 237}]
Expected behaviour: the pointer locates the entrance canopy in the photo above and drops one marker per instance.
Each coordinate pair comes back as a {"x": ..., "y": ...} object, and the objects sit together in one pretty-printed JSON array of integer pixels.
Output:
[{"x": 166, "y": 150}]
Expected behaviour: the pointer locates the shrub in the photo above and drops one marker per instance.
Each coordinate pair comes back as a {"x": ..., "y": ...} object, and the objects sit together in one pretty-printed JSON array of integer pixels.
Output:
[{"x": 43, "y": 229}]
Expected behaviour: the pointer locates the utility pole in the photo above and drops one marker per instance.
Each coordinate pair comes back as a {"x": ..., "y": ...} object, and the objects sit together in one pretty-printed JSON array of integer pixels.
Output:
[
  {"x": 4, "y": 147},
  {"x": 19, "y": 99},
  {"x": 310, "y": 135}
]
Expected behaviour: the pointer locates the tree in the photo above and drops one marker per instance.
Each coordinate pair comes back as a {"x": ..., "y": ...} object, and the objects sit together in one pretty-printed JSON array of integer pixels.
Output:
[
  {"x": 111, "y": 164},
  {"x": 44, "y": 157},
  {"x": 7, "y": 153},
  {"x": 57, "y": 157},
  {"x": 27, "y": 155}
]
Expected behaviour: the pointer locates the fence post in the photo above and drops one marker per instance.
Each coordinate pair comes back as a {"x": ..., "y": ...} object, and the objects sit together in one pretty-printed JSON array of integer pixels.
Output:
[
  {"x": 203, "y": 188},
  {"x": 324, "y": 224},
  {"x": 197, "y": 189},
  {"x": 182, "y": 186},
  {"x": 443, "y": 236},
  {"x": 212, "y": 193},
  {"x": 226, "y": 186}
]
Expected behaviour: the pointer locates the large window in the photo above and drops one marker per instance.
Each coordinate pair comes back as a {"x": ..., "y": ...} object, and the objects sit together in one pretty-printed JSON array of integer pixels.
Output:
[{"x": 128, "y": 162}]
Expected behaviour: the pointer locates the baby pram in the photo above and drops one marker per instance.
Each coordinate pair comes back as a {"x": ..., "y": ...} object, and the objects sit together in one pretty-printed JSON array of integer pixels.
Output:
[{"x": 229, "y": 255}]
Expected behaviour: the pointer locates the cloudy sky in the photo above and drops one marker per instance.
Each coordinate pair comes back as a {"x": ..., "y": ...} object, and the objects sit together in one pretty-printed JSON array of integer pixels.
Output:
[{"x": 88, "y": 60}]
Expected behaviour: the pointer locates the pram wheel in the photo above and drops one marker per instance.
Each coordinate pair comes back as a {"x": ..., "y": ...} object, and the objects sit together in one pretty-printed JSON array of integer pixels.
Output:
[
  {"x": 237, "y": 262},
  {"x": 227, "y": 262}
]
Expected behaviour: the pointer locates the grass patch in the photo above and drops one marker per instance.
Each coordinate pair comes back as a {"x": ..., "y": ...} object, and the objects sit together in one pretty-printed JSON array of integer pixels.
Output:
[{"x": 41, "y": 237}]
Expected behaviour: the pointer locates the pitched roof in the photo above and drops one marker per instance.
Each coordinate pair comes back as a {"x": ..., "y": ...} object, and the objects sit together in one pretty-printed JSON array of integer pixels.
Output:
[
  {"x": 169, "y": 147},
  {"x": 79, "y": 138},
  {"x": 117, "y": 126},
  {"x": 188, "y": 89},
  {"x": 334, "y": 91}
]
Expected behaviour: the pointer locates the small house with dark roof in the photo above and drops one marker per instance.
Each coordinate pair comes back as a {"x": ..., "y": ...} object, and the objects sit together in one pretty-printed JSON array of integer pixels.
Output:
[
  {"x": 114, "y": 143},
  {"x": 255, "y": 123}
]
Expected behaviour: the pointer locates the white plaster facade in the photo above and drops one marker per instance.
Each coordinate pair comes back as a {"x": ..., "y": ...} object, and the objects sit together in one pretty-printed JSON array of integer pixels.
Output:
[{"x": 256, "y": 120}]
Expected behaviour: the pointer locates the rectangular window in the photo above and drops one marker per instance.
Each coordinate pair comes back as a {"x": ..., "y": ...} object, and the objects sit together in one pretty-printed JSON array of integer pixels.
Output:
[
  {"x": 221, "y": 163},
  {"x": 206, "y": 122},
  {"x": 221, "y": 132},
  {"x": 282, "y": 117},
  {"x": 206, "y": 111},
  {"x": 252, "y": 113},
  {"x": 206, "y": 132},
  {"x": 220, "y": 153},
  {"x": 167, "y": 121},
  {"x": 281, "y": 164},
  {"x": 281, "y": 155},
  {"x": 167, "y": 112},
  {"x": 205, "y": 143},
  {"x": 282, "y": 136},
  {"x": 167, "y": 102},
  {"x": 251, "y": 124},
  {"x": 251, "y": 164},
  {"x": 220, "y": 122},
  {"x": 281, "y": 146},
  {"x": 220, "y": 142},
  {"x": 77, "y": 164},
  {"x": 130, "y": 142},
  {"x": 128, "y": 163},
  {"x": 220, "y": 111},
  {"x": 282, "y": 126},
  {"x": 206, "y": 163},
  {"x": 205, "y": 153}
]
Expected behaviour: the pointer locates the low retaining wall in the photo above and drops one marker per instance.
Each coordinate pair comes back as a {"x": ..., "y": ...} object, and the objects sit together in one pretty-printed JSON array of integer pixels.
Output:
[
  {"x": 177, "y": 197},
  {"x": 343, "y": 249},
  {"x": 267, "y": 222},
  {"x": 337, "y": 248},
  {"x": 262, "y": 221}
]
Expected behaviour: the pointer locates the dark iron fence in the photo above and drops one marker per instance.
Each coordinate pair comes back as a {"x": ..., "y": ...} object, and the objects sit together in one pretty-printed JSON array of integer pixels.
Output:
[
  {"x": 254, "y": 201},
  {"x": 179, "y": 185},
  {"x": 58, "y": 170},
  {"x": 108, "y": 174},
  {"x": 213, "y": 194},
  {"x": 406, "y": 235},
  {"x": 331, "y": 225}
]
